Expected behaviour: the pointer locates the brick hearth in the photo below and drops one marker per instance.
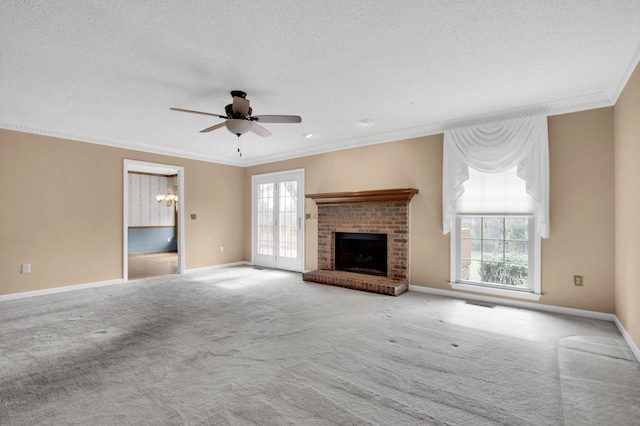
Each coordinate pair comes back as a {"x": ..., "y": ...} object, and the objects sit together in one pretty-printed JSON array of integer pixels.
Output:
[
  {"x": 371, "y": 283},
  {"x": 378, "y": 212}
]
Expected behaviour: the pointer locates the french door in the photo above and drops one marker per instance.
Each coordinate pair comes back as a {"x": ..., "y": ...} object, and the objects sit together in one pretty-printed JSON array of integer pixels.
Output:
[{"x": 277, "y": 210}]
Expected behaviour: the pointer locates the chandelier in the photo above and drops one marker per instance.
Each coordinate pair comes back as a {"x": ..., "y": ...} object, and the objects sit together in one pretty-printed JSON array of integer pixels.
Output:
[{"x": 169, "y": 199}]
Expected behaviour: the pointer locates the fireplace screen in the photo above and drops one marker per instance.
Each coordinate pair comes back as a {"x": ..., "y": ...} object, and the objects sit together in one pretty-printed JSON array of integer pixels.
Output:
[{"x": 361, "y": 253}]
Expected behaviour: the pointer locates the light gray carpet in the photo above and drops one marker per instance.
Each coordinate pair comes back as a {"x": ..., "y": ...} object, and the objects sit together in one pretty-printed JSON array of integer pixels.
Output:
[{"x": 243, "y": 346}]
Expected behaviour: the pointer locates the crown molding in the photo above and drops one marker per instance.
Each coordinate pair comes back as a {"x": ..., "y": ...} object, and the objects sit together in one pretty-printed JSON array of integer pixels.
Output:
[
  {"x": 564, "y": 106},
  {"x": 379, "y": 138},
  {"x": 115, "y": 143}
]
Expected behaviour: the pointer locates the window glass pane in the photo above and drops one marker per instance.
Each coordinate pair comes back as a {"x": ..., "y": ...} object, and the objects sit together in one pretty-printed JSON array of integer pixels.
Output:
[
  {"x": 476, "y": 249},
  {"x": 492, "y": 250},
  {"x": 471, "y": 227},
  {"x": 517, "y": 228},
  {"x": 515, "y": 275},
  {"x": 471, "y": 249},
  {"x": 473, "y": 271},
  {"x": 492, "y": 272},
  {"x": 493, "y": 227},
  {"x": 516, "y": 252}
]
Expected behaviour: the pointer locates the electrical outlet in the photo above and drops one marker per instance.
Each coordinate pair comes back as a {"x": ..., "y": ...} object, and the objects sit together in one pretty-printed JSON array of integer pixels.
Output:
[
  {"x": 577, "y": 280},
  {"x": 221, "y": 249},
  {"x": 26, "y": 268},
  {"x": 193, "y": 216}
]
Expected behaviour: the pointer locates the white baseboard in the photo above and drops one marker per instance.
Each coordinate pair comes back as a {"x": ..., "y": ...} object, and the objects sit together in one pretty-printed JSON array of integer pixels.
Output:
[
  {"x": 210, "y": 268},
  {"x": 627, "y": 338},
  {"x": 515, "y": 303},
  {"x": 62, "y": 289}
]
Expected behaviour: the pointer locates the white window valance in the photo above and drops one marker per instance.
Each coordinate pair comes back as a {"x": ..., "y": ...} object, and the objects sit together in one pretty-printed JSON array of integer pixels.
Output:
[{"x": 493, "y": 148}]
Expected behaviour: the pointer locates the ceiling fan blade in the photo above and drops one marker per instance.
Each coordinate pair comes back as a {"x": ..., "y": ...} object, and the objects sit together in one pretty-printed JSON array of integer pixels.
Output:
[
  {"x": 198, "y": 112},
  {"x": 240, "y": 106},
  {"x": 277, "y": 118},
  {"x": 259, "y": 130},
  {"x": 208, "y": 129}
]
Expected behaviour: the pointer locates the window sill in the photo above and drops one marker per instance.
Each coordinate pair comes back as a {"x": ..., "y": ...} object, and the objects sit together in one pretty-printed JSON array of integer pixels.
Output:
[{"x": 497, "y": 291}]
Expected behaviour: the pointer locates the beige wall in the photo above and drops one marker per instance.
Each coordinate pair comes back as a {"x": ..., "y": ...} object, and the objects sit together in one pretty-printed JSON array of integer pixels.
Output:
[
  {"x": 413, "y": 163},
  {"x": 627, "y": 177},
  {"x": 62, "y": 211},
  {"x": 582, "y": 211}
]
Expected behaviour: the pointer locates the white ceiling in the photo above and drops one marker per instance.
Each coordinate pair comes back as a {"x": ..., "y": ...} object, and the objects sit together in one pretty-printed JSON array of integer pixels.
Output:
[{"x": 108, "y": 72}]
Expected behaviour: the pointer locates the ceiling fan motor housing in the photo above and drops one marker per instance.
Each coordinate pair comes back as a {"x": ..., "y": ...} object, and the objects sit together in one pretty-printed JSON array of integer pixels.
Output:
[
  {"x": 231, "y": 114},
  {"x": 238, "y": 93}
]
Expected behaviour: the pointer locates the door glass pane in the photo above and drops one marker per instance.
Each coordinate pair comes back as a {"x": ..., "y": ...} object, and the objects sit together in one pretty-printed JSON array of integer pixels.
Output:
[
  {"x": 265, "y": 218},
  {"x": 288, "y": 219}
]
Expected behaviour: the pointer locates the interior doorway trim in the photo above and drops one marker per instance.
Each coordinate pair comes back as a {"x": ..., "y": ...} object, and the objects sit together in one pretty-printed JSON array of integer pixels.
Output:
[{"x": 143, "y": 166}]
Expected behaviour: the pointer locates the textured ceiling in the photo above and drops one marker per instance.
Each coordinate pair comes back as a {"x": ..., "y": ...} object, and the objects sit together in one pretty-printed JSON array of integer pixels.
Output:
[{"x": 108, "y": 72}]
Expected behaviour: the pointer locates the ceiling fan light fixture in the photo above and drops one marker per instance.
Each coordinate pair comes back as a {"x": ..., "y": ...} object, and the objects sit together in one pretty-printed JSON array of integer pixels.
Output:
[{"x": 238, "y": 126}]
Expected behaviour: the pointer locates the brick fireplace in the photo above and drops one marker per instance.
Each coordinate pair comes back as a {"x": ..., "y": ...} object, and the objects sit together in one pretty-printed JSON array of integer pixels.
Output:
[{"x": 382, "y": 212}]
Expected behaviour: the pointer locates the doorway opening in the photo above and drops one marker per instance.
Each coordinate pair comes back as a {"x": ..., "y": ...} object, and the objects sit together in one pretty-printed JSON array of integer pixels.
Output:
[{"x": 153, "y": 219}]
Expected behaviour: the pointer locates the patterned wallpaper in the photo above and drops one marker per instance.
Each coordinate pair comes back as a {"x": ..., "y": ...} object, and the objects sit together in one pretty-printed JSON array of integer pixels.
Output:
[{"x": 144, "y": 209}]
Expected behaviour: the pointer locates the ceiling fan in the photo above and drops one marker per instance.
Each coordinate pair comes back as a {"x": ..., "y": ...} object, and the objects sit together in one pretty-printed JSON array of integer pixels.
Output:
[{"x": 239, "y": 119}]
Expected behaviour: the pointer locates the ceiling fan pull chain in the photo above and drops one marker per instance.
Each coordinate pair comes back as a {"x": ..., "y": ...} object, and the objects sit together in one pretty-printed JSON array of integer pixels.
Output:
[{"x": 239, "y": 146}]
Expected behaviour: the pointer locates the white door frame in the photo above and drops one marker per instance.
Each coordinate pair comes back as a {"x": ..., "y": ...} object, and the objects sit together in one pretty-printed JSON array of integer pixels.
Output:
[
  {"x": 301, "y": 213},
  {"x": 143, "y": 166}
]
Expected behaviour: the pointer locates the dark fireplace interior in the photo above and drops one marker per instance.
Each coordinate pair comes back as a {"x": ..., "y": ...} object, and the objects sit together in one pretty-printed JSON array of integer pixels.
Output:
[{"x": 361, "y": 253}]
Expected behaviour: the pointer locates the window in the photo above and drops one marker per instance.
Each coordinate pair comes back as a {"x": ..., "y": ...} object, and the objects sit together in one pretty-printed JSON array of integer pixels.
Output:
[
  {"x": 495, "y": 203},
  {"x": 496, "y": 251}
]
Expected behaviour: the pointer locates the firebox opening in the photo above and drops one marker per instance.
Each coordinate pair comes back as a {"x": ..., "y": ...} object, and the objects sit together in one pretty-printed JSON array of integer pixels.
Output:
[{"x": 361, "y": 253}]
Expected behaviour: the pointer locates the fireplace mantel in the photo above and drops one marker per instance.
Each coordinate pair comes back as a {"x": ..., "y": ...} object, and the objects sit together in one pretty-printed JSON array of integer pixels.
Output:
[{"x": 361, "y": 197}]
